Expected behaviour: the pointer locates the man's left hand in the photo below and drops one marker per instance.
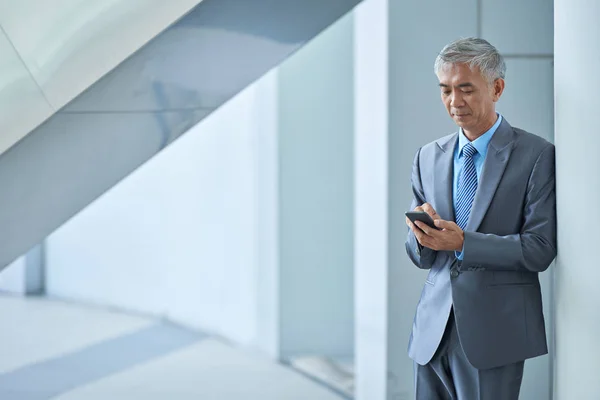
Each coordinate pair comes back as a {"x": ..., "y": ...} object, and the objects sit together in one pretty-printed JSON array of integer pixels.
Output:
[{"x": 450, "y": 237}]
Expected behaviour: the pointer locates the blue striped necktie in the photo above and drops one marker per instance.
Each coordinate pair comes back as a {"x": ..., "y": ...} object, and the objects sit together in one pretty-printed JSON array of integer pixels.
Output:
[{"x": 467, "y": 186}]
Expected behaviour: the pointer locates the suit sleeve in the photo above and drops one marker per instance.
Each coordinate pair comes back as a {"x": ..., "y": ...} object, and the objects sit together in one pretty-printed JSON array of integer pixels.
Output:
[
  {"x": 422, "y": 257},
  {"x": 534, "y": 248}
]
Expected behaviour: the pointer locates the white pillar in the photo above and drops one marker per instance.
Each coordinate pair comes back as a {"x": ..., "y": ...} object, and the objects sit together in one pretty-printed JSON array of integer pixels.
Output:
[
  {"x": 25, "y": 275},
  {"x": 267, "y": 214},
  {"x": 371, "y": 196},
  {"x": 577, "y": 138}
]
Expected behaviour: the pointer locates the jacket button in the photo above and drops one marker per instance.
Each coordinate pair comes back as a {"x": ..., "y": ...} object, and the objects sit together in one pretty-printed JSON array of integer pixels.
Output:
[{"x": 454, "y": 273}]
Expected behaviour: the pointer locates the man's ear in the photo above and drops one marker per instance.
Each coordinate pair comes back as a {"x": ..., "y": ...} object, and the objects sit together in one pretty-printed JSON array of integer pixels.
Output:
[{"x": 498, "y": 89}]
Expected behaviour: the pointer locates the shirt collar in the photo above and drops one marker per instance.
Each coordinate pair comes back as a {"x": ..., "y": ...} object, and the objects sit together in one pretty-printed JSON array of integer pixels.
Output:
[{"x": 482, "y": 142}]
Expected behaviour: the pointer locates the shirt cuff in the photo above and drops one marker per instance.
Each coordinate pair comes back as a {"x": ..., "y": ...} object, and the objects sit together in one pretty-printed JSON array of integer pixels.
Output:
[{"x": 460, "y": 254}]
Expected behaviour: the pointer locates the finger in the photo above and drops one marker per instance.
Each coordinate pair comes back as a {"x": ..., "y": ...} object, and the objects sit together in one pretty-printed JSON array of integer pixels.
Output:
[
  {"x": 412, "y": 227},
  {"x": 449, "y": 225},
  {"x": 418, "y": 208},
  {"x": 424, "y": 227},
  {"x": 418, "y": 233},
  {"x": 427, "y": 241},
  {"x": 428, "y": 208},
  {"x": 416, "y": 230}
]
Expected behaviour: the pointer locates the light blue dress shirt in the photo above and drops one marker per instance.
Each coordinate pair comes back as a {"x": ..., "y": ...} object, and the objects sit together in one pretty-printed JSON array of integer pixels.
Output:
[{"x": 481, "y": 144}]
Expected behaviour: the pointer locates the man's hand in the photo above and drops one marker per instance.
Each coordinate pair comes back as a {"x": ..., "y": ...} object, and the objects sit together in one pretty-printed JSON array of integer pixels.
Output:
[
  {"x": 451, "y": 237},
  {"x": 428, "y": 209}
]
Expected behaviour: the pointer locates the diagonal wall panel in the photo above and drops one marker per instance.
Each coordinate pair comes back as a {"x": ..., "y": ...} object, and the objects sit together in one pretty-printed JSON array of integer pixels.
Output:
[{"x": 149, "y": 100}]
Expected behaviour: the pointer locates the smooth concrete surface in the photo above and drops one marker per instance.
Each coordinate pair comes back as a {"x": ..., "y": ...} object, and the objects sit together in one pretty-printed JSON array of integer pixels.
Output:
[
  {"x": 66, "y": 372},
  {"x": 58, "y": 350},
  {"x": 67, "y": 45},
  {"x": 371, "y": 70},
  {"x": 23, "y": 106},
  {"x": 176, "y": 237},
  {"x": 35, "y": 329},
  {"x": 243, "y": 227},
  {"x": 518, "y": 27},
  {"x": 210, "y": 370},
  {"x": 316, "y": 223},
  {"x": 577, "y": 320},
  {"x": 266, "y": 208},
  {"x": 144, "y": 104},
  {"x": 52, "y": 50},
  {"x": 336, "y": 374},
  {"x": 25, "y": 275},
  {"x": 13, "y": 277}
]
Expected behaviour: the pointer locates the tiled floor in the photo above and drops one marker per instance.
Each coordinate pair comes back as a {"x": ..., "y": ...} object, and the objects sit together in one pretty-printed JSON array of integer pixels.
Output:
[{"x": 55, "y": 350}]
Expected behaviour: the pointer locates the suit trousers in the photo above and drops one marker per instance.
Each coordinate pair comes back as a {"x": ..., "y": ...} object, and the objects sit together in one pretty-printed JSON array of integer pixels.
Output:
[{"x": 450, "y": 376}]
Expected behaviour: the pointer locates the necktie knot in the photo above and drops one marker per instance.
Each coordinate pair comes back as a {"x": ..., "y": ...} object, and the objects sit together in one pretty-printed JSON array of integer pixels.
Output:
[{"x": 469, "y": 150}]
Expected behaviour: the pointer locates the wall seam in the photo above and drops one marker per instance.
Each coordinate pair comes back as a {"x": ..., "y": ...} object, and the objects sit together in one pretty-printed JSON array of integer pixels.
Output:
[{"x": 27, "y": 69}]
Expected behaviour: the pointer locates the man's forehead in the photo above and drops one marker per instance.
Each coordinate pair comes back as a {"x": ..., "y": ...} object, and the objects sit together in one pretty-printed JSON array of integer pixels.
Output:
[{"x": 457, "y": 74}]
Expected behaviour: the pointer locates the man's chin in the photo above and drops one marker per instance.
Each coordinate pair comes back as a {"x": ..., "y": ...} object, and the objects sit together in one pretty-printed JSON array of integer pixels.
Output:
[{"x": 461, "y": 119}]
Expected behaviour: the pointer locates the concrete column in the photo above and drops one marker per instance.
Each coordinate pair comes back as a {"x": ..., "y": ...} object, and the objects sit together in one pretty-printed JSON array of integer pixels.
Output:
[
  {"x": 26, "y": 275},
  {"x": 577, "y": 319},
  {"x": 267, "y": 214},
  {"x": 371, "y": 199}
]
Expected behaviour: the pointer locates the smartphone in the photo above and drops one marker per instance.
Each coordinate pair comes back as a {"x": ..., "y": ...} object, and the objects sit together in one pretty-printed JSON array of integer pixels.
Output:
[{"x": 421, "y": 216}]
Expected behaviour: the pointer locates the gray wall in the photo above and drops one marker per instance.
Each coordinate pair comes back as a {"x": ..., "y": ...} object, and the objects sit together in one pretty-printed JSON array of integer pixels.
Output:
[{"x": 316, "y": 202}]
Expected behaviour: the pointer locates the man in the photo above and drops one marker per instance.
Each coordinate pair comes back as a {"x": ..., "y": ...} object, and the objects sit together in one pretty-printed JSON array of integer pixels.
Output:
[{"x": 490, "y": 189}]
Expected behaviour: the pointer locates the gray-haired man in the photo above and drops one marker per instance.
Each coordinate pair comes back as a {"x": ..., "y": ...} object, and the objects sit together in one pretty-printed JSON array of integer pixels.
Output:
[{"x": 490, "y": 189}]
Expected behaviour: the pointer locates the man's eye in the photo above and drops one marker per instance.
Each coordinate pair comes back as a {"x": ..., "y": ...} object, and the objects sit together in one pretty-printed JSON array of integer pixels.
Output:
[
  {"x": 467, "y": 91},
  {"x": 446, "y": 92}
]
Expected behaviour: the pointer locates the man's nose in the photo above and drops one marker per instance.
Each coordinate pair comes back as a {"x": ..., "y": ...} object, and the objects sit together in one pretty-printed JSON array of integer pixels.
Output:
[{"x": 456, "y": 100}]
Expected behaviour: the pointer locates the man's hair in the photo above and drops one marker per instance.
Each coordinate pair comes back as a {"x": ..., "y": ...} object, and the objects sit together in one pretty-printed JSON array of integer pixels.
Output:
[{"x": 476, "y": 53}]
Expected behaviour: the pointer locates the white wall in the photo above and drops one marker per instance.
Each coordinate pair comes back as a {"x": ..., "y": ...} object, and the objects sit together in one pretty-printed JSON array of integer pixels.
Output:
[
  {"x": 12, "y": 278},
  {"x": 578, "y": 174},
  {"x": 316, "y": 202},
  {"x": 178, "y": 237},
  {"x": 244, "y": 226}
]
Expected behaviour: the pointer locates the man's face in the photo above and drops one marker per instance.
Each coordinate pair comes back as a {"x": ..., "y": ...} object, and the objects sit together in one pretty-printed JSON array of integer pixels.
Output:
[{"x": 468, "y": 97}]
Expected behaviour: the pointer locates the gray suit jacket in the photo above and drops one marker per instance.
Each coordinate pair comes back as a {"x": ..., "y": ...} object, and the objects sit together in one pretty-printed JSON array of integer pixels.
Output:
[{"x": 509, "y": 239}]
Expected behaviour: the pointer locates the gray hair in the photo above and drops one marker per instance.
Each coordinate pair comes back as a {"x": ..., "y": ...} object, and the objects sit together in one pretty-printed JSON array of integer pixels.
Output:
[{"x": 476, "y": 53}]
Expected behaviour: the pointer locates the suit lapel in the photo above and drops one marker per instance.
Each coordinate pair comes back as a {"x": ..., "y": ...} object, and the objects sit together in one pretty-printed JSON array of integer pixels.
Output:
[
  {"x": 443, "y": 176},
  {"x": 499, "y": 151}
]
